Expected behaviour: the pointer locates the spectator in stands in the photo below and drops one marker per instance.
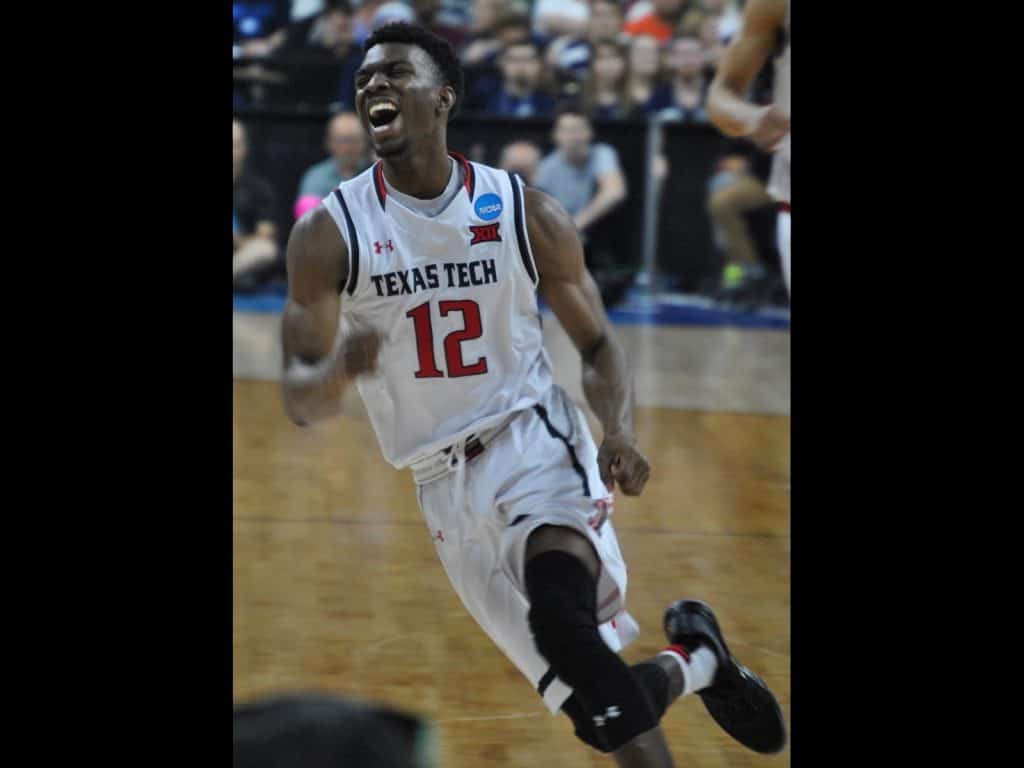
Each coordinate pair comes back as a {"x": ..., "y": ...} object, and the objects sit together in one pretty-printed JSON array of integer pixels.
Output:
[
  {"x": 644, "y": 92},
  {"x": 321, "y": 57},
  {"x": 586, "y": 178},
  {"x": 495, "y": 30},
  {"x": 346, "y": 143},
  {"x": 572, "y": 54},
  {"x": 522, "y": 157},
  {"x": 684, "y": 59},
  {"x": 362, "y": 20},
  {"x": 733, "y": 192},
  {"x": 582, "y": 175},
  {"x": 604, "y": 91},
  {"x": 258, "y": 26},
  {"x": 255, "y": 234},
  {"x": 428, "y": 14},
  {"x": 552, "y": 18},
  {"x": 482, "y": 44},
  {"x": 661, "y": 22},
  {"x": 521, "y": 93}
]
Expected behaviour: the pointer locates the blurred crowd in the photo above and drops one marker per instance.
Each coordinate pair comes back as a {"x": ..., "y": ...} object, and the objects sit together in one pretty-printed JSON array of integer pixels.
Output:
[
  {"x": 575, "y": 62},
  {"x": 618, "y": 58}
]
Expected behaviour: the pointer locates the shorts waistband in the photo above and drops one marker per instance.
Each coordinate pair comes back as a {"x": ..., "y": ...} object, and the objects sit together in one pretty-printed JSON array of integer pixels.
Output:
[{"x": 440, "y": 463}]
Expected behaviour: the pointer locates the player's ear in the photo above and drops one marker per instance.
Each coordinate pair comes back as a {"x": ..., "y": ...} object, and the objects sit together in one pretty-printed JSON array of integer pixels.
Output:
[{"x": 446, "y": 99}]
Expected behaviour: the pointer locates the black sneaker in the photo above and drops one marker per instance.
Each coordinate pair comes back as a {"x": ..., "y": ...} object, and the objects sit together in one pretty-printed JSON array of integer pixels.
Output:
[{"x": 737, "y": 699}]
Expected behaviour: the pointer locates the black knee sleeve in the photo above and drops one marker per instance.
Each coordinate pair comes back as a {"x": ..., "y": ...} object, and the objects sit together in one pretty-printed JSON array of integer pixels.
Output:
[{"x": 563, "y": 617}]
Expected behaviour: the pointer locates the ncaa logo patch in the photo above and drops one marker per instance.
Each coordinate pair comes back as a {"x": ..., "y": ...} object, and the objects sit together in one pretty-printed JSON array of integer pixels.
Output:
[{"x": 488, "y": 206}]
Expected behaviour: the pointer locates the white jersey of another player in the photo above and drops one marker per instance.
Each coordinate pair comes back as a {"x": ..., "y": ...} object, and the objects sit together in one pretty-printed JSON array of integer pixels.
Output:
[{"x": 454, "y": 296}]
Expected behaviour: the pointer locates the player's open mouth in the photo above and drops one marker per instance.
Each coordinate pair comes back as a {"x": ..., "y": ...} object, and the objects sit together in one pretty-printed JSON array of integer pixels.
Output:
[{"x": 382, "y": 114}]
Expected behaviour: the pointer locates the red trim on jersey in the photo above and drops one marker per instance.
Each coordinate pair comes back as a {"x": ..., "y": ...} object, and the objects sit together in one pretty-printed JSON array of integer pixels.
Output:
[
  {"x": 470, "y": 180},
  {"x": 378, "y": 177},
  {"x": 382, "y": 190},
  {"x": 785, "y": 207}
]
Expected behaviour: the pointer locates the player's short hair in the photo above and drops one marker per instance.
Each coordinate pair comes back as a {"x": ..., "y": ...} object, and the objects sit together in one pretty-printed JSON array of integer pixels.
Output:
[{"x": 439, "y": 50}]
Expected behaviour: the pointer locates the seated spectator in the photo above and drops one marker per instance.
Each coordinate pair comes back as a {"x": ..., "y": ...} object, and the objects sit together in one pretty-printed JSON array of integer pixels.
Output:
[
  {"x": 572, "y": 54},
  {"x": 362, "y": 19},
  {"x": 321, "y": 57},
  {"x": 644, "y": 92},
  {"x": 255, "y": 234},
  {"x": 604, "y": 91},
  {"x": 552, "y": 18},
  {"x": 522, "y": 157},
  {"x": 582, "y": 175},
  {"x": 714, "y": 24},
  {"x": 428, "y": 14},
  {"x": 482, "y": 43},
  {"x": 586, "y": 178},
  {"x": 521, "y": 93},
  {"x": 684, "y": 59},
  {"x": 495, "y": 30},
  {"x": 258, "y": 26},
  {"x": 733, "y": 192},
  {"x": 661, "y": 22},
  {"x": 346, "y": 143}
]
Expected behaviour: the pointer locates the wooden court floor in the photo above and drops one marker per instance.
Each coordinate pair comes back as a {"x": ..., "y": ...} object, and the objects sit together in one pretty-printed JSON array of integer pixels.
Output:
[{"x": 337, "y": 586}]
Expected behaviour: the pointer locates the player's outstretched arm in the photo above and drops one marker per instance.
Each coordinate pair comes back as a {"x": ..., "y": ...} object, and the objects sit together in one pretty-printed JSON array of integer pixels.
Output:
[
  {"x": 747, "y": 53},
  {"x": 318, "y": 362},
  {"x": 572, "y": 294}
]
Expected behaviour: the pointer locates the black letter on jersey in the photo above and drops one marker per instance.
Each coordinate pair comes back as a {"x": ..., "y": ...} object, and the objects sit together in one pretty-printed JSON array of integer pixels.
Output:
[
  {"x": 490, "y": 271},
  {"x": 417, "y": 280},
  {"x": 405, "y": 283},
  {"x": 450, "y": 269},
  {"x": 377, "y": 280},
  {"x": 432, "y": 275}
]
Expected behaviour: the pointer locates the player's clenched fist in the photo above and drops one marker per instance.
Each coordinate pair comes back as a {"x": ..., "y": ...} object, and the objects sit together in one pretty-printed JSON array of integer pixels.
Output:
[{"x": 618, "y": 460}]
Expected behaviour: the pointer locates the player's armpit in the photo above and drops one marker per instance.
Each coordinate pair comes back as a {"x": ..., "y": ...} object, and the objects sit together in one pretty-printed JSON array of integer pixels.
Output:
[{"x": 565, "y": 284}]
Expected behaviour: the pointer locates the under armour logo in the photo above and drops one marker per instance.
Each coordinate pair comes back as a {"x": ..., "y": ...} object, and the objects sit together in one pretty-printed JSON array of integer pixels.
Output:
[
  {"x": 609, "y": 714},
  {"x": 439, "y": 536},
  {"x": 377, "y": 246}
]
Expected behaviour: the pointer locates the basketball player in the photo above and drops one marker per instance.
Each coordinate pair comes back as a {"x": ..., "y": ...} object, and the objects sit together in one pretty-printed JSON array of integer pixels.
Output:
[
  {"x": 764, "y": 23},
  {"x": 433, "y": 264}
]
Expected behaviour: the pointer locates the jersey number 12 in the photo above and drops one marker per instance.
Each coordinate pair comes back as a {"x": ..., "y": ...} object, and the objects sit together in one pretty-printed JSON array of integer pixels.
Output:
[{"x": 452, "y": 350}]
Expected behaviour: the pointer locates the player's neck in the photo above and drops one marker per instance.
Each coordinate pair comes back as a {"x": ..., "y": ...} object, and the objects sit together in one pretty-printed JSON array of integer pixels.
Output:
[{"x": 422, "y": 174}]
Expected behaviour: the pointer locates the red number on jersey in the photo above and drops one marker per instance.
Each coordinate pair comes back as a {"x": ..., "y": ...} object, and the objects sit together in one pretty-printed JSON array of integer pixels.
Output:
[{"x": 452, "y": 350}]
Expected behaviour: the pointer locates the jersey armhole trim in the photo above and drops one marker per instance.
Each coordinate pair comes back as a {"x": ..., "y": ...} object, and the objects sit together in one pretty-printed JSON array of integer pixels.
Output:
[
  {"x": 519, "y": 205},
  {"x": 353, "y": 248}
]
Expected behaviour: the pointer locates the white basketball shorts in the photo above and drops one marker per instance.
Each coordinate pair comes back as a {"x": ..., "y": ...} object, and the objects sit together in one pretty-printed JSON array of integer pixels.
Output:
[{"x": 541, "y": 469}]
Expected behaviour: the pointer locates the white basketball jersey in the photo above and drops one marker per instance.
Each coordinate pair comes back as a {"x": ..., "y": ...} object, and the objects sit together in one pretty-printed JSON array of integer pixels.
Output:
[
  {"x": 778, "y": 183},
  {"x": 455, "y": 298}
]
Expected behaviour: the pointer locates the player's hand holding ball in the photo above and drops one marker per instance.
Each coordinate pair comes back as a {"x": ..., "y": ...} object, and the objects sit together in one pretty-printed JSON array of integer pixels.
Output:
[{"x": 619, "y": 460}]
